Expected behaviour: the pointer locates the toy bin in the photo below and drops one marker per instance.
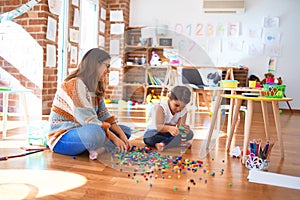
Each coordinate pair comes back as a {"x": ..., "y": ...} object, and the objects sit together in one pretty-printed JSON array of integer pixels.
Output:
[
  {"x": 229, "y": 83},
  {"x": 274, "y": 91},
  {"x": 37, "y": 133}
]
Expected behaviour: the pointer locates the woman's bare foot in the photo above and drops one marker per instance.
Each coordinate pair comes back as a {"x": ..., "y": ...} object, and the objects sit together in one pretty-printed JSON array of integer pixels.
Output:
[{"x": 160, "y": 146}]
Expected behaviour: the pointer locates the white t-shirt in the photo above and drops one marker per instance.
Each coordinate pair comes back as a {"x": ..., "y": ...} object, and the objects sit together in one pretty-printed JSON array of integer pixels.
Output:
[{"x": 170, "y": 119}]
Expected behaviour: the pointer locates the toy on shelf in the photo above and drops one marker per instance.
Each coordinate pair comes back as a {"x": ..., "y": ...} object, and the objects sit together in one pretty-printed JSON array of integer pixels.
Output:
[{"x": 155, "y": 59}]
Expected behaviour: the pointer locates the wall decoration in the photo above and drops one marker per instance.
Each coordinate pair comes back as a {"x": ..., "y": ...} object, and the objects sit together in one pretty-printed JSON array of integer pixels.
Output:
[
  {"x": 101, "y": 41},
  {"x": 233, "y": 29},
  {"x": 255, "y": 49},
  {"x": 74, "y": 35},
  {"x": 116, "y": 16},
  {"x": 103, "y": 14},
  {"x": 271, "y": 37},
  {"x": 271, "y": 22},
  {"x": 76, "y": 20},
  {"x": 117, "y": 29},
  {"x": 102, "y": 27},
  {"x": 114, "y": 48},
  {"x": 75, "y": 3},
  {"x": 51, "y": 55},
  {"x": 51, "y": 29},
  {"x": 73, "y": 55},
  {"x": 54, "y": 6},
  {"x": 254, "y": 33},
  {"x": 272, "y": 64},
  {"x": 221, "y": 30},
  {"x": 272, "y": 50}
]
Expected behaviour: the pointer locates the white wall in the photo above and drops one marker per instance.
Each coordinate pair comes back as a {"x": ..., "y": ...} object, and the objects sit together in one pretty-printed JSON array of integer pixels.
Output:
[{"x": 189, "y": 14}]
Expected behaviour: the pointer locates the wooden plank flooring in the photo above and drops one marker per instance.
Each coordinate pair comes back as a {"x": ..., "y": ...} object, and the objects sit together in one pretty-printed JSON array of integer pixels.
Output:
[{"x": 47, "y": 175}]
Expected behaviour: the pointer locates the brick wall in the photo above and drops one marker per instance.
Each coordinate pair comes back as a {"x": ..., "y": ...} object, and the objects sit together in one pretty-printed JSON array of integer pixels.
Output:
[
  {"x": 115, "y": 92},
  {"x": 35, "y": 23}
]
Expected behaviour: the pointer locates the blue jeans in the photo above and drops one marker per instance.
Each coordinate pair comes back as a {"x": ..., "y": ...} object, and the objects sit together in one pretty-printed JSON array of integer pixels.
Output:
[
  {"x": 88, "y": 137},
  {"x": 152, "y": 136}
]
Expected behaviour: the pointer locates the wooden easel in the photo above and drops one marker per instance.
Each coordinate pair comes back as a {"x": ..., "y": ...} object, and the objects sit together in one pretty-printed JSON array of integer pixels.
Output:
[{"x": 171, "y": 79}]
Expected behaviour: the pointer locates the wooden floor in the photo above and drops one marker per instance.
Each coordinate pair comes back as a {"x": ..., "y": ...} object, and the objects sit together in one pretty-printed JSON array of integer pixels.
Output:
[{"x": 46, "y": 175}]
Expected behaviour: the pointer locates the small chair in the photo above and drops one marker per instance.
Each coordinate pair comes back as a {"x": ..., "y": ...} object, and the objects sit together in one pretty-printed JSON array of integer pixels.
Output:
[{"x": 192, "y": 78}]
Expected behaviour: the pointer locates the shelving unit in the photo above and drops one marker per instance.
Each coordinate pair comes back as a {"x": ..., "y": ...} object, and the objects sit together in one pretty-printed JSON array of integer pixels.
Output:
[{"x": 136, "y": 82}]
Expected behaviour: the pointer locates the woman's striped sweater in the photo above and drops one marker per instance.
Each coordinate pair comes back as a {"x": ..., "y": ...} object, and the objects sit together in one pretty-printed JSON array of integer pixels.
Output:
[{"x": 75, "y": 106}]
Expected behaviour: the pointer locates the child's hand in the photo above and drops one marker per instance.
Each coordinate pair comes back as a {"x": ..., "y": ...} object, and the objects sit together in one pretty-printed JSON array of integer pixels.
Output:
[{"x": 173, "y": 130}]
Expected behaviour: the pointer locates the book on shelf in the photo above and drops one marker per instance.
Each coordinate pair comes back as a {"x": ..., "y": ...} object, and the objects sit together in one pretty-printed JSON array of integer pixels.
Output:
[{"x": 153, "y": 80}]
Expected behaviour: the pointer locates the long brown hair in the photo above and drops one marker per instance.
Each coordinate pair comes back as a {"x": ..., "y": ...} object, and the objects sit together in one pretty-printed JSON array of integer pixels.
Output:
[{"x": 87, "y": 70}]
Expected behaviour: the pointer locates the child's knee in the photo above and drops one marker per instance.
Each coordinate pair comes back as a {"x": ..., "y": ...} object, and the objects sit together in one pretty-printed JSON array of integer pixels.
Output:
[{"x": 190, "y": 135}]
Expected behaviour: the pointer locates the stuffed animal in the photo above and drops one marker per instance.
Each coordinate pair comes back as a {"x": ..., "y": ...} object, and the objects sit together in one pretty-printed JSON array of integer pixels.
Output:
[
  {"x": 155, "y": 59},
  {"x": 268, "y": 76},
  {"x": 215, "y": 77}
]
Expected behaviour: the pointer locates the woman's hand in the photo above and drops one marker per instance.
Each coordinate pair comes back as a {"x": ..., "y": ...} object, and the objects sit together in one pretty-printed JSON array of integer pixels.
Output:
[
  {"x": 120, "y": 144},
  {"x": 126, "y": 141},
  {"x": 173, "y": 130}
]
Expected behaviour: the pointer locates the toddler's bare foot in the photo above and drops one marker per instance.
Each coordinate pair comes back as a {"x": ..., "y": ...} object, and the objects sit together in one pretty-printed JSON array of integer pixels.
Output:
[
  {"x": 160, "y": 146},
  {"x": 189, "y": 144},
  {"x": 94, "y": 154}
]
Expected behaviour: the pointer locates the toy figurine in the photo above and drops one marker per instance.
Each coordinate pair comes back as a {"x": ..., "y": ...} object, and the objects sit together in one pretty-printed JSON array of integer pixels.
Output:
[{"x": 155, "y": 59}]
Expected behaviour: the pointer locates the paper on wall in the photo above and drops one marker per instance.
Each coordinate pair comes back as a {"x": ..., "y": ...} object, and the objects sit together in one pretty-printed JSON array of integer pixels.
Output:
[{"x": 51, "y": 56}]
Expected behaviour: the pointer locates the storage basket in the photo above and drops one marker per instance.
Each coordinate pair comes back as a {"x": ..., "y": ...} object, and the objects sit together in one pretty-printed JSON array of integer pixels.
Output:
[
  {"x": 229, "y": 83},
  {"x": 274, "y": 91}
]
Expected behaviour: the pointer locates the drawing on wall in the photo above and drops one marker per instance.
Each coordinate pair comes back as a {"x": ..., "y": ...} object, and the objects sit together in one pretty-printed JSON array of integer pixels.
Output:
[
  {"x": 51, "y": 55},
  {"x": 271, "y": 37},
  {"x": 116, "y": 16},
  {"x": 73, "y": 55},
  {"x": 272, "y": 64},
  {"x": 271, "y": 22},
  {"x": 51, "y": 29},
  {"x": 76, "y": 22},
  {"x": 255, "y": 49},
  {"x": 114, "y": 47},
  {"x": 102, "y": 27},
  {"x": 117, "y": 29},
  {"x": 103, "y": 14},
  {"x": 101, "y": 41},
  {"x": 54, "y": 6},
  {"x": 74, "y": 34},
  {"x": 254, "y": 33},
  {"x": 272, "y": 50},
  {"x": 233, "y": 45}
]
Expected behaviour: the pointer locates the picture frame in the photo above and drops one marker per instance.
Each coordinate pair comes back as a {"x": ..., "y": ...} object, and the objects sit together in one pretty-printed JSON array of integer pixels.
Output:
[{"x": 165, "y": 41}]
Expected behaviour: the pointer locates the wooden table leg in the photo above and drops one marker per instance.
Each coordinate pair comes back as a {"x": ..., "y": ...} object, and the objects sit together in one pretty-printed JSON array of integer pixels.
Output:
[
  {"x": 214, "y": 117},
  {"x": 278, "y": 126},
  {"x": 26, "y": 115},
  {"x": 248, "y": 121},
  {"x": 236, "y": 110},
  {"x": 4, "y": 114},
  {"x": 265, "y": 117}
]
